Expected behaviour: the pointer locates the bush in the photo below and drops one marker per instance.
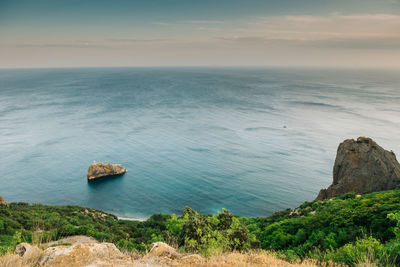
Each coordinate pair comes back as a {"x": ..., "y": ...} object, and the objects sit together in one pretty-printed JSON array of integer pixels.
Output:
[
  {"x": 330, "y": 224},
  {"x": 208, "y": 234},
  {"x": 363, "y": 251}
]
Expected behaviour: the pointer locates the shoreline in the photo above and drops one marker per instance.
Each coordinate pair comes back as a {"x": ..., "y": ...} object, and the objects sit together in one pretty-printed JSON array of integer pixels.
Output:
[{"x": 124, "y": 218}]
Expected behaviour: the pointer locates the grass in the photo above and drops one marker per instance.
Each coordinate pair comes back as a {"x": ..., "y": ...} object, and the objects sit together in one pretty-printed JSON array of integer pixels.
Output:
[
  {"x": 13, "y": 260},
  {"x": 231, "y": 259},
  {"x": 61, "y": 244},
  {"x": 250, "y": 258}
]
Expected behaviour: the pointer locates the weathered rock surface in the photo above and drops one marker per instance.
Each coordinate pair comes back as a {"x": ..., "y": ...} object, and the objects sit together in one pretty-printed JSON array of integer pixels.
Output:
[
  {"x": 85, "y": 254},
  {"x": 362, "y": 166},
  {"x": 103, "y": 169},
  {"x": 3, "y": 202},
  {"x": 161, "y": 249},
  {"x": 106, "y": 254},
  {"x": 26, "y": 250}
]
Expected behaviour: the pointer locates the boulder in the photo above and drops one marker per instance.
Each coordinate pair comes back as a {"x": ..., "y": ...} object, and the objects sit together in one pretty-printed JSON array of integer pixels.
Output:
[
  {"x": 3, "y": 202},
  {"x": 160, "y": 249},
  {"x": 362, "y": 166},
  {"x": 103, "y": 169},
  {"x": 26, "y": 250}
]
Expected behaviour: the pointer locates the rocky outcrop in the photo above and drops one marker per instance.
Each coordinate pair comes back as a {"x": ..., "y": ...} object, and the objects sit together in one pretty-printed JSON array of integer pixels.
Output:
[
  {"x": 362, "y": 166},
  {"x": 26, "y": 250},
  {"x": 106, "y": 254},
  {"x": 3, "y": 202},
  {"x": 103, "y": 169},
  {"x": 85, "y": 254}
]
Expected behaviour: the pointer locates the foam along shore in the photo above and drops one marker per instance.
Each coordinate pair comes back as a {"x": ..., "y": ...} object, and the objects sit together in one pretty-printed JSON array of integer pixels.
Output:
[{"x": 132, "y": 219}]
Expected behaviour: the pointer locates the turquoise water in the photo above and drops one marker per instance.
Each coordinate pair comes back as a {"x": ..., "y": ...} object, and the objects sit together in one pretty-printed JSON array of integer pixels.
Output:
[{"x": 253, "y": 141}]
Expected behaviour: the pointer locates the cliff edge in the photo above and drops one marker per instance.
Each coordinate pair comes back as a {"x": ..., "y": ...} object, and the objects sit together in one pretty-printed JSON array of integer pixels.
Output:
[{"x": 362, "y": 166}]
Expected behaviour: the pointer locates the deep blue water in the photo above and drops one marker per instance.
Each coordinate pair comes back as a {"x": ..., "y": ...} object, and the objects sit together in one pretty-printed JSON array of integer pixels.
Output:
[{"x": 253, "y": 141}]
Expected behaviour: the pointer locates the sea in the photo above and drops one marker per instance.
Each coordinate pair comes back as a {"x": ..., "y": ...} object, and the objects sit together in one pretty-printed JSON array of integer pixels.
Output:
[{"x": 251, "y": 140}]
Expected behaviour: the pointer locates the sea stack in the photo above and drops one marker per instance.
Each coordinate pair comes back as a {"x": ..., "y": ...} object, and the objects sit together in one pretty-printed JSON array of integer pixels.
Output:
[
  {"x": 102, "y": 169},
  {"x": 362, "y": 166}
]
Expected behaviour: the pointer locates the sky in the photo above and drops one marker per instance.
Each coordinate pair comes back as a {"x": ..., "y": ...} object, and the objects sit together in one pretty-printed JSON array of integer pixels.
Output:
[{"x": 309, "y": 33}]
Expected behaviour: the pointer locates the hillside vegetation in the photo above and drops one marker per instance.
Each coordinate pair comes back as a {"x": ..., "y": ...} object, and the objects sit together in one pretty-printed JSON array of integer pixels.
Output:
[{"x": 348, "y": 229}]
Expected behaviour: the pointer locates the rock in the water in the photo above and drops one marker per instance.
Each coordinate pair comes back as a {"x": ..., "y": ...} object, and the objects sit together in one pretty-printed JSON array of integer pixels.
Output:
[
  {"x": 160, "y": 249},
  {"x": 362, "y": 166},
  {"x": 103, "y": 169},
  {"x": 3, "y": 202}
]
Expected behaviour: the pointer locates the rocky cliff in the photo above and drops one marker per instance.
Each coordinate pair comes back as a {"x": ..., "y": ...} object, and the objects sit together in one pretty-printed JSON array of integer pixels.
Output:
[{"x": 362, "y": 166}]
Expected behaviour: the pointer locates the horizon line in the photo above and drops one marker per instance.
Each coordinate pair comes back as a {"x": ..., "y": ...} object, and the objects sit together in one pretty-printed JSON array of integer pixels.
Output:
[{"x": 210, "y": 66}]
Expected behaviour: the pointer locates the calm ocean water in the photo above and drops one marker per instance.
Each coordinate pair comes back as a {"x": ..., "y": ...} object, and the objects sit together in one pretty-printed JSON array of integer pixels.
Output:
[{"x": 253, "y": 141}]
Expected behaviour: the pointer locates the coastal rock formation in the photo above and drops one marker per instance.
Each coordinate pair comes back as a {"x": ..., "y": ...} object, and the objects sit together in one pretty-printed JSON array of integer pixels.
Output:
[
  {"x": 3, "y": 202},
  {"x": 103, "y": 169},
  {"x": 362, "y": 166}
]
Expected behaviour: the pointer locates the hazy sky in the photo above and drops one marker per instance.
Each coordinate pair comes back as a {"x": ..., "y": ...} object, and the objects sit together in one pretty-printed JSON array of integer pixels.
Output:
[{"x": 55, "y": 33}]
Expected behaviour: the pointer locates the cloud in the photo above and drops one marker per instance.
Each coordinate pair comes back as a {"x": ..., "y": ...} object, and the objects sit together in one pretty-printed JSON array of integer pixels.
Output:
[
  {"x": 335, "y": 39},
  {"x": 325, "y": 27},
  {"x": 190, "y": 22},
  {"x": 332, "y": 43},
  {"x": 56, "y": 45},
  {"x": 160, "y": 23},
  {"x": 360, "y": 43},
  {"x": 87, "y": 44},
  {"x": 334, "y": 31},
  {"x": 363, "y": 31},
  {"x": 203, "y": 22},
  {"x": 211, "y": 29},
  {"x": 130, "y": 40}
]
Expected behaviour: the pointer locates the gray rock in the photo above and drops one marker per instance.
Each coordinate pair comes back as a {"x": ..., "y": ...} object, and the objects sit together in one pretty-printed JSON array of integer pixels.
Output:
[{"x": 362, "y": 166}]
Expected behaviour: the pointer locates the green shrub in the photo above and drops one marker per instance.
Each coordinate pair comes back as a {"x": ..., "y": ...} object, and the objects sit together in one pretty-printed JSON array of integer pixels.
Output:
[
  {"x": 332, "y": 230},
  {"x": 363, "y": 251},
  {"x": 328, "y": 225},
  {"x": 208, "y": 234}
]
